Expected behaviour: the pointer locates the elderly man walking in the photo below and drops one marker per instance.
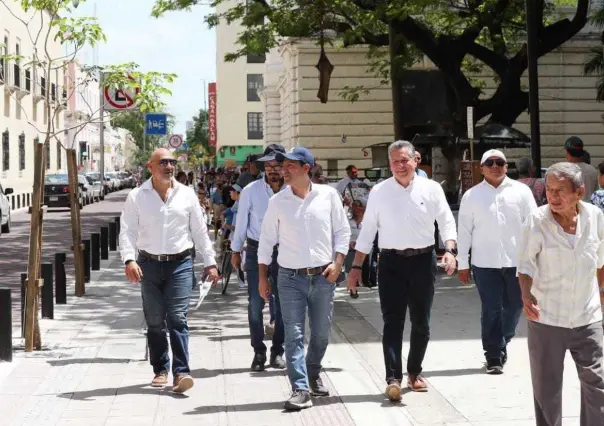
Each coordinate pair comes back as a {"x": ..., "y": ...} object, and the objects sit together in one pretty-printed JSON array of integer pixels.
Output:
[
  {"x": 402, "y": 210},
  {"x": 561, "y": 272},
  {"x": 163, "y": 221},
  {"x": 309, "y": 223},
  {"x": 491, "y": 215}
]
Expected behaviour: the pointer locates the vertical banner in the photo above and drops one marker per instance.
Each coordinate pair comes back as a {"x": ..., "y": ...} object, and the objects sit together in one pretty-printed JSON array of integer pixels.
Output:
[{"x": 212, "y": 128}]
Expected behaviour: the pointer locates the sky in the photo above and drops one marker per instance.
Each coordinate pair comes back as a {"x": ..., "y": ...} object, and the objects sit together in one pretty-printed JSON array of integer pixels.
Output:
[{"x": 179, "y": 43}]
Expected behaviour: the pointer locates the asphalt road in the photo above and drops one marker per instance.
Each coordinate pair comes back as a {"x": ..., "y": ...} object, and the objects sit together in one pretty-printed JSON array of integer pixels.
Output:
[{"x": 14, "y": 247}]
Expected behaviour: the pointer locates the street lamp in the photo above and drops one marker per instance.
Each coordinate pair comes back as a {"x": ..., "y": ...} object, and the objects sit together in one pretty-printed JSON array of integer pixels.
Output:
[{"x": 533, "y": 75}]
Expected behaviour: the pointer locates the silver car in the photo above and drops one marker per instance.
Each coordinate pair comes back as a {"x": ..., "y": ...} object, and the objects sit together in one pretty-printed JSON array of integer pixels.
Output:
[{"x": 4, "y": 210}]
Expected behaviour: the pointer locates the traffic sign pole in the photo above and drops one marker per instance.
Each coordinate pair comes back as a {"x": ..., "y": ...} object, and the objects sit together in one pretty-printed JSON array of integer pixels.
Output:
[{"x": 102, "y": 130}]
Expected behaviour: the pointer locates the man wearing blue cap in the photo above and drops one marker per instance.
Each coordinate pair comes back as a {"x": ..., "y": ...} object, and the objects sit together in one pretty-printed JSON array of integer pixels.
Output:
[
  {"x": 253, "y": 202},
  {"x": 309, "y": 224}
]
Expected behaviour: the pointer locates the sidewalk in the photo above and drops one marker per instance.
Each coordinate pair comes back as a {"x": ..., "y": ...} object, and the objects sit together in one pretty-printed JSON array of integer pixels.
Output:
[{"x": 92, "y": 371}]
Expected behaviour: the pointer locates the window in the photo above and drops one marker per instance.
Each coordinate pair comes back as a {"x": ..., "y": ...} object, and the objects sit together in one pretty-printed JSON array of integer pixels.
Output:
[
  {"x": 59, "y": 165},
  {"x": 255, "y": 125},
  {"x": 255, "y": 82},
  {"x": 256, "y": 59},
  {"x": 332, "y": 167},
  {"x": 5, "y": 151},
  {"x": 47, "y": 154},
  {"x": 22, "y": 151}
]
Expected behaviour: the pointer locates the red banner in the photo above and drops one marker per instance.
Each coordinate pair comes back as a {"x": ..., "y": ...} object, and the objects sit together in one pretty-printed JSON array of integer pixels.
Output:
[{"x": 212, "y": 128}]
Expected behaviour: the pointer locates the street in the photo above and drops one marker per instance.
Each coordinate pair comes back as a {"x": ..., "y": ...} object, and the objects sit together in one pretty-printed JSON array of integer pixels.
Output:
[{"x": 92, "y": 370}]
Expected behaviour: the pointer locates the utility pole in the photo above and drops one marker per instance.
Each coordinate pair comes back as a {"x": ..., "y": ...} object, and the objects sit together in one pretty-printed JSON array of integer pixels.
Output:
[
  {"x": 102, "y": 127},
  {"x": 533, "y": 75},
  {"x": 395, "y": 47}
]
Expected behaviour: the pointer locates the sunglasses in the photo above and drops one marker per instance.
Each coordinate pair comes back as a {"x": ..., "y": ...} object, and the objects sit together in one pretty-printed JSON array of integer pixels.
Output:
[
  {"x": 490, "y": 162},
  {"x": 165, "y": 161}
]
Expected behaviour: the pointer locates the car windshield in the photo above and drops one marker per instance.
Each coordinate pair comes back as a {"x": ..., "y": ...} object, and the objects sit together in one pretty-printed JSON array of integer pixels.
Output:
[
  {"x": 94, "y": 176},
  {"x": 56, "y": 179}
]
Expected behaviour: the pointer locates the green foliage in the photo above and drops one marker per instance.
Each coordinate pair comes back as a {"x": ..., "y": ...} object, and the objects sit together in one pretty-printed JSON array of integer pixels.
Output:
[{"x": 595, "y": 64}]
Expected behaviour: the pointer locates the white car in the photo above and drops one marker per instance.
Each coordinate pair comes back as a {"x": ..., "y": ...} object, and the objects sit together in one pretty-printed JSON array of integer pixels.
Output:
[{"x": 5, "y": 210}]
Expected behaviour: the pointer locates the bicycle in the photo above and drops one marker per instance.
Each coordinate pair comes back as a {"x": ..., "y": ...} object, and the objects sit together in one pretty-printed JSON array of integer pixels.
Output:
[{"x": 226, "y": 267}]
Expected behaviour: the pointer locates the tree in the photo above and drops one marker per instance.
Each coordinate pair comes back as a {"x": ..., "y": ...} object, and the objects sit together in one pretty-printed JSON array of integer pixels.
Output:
[
  {"x": 459, "y": 37},
  {"x": 199, "y": 150},
  {"x": 50, "y": 24},
  {"x": 595, "y": 63}
]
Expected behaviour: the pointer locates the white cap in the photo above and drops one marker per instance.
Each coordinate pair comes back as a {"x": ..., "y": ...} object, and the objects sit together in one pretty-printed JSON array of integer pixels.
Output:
[{"x": 492, "y": 153}]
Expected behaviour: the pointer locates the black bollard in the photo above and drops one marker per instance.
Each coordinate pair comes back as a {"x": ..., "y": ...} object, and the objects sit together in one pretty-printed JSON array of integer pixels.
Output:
[
  {"x": 95, "y": 251},
  {"x": 112, "y": 236},
  {"x": 48, "y": 307},
  {"x": 23, "y": 290},
  {"x": 60, "y": 279},
  {"x": 86, "y": 261},
  {"x": 119, "y": 227},
  {"x": 6, "y": 326},
  {"x": 104, "y": 242}
]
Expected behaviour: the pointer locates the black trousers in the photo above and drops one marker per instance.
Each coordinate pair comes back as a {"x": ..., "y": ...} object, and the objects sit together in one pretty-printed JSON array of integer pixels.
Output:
[{"x": 405, "y": 282}]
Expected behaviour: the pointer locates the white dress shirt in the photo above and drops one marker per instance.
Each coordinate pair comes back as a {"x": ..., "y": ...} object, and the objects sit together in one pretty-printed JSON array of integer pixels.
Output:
[
  {"x": 564, "y": 275},
  {"x": 490, "y": 223},
  {"x": 404, "y": 217},
  {"x": 157, "y": 227},
  {"x": 309, "y": 231},
  {"x": 253, "y": 203}
]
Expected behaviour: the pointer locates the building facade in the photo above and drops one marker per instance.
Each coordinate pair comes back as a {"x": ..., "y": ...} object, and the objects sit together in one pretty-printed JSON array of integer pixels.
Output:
[{"x": 32, "y": 103}]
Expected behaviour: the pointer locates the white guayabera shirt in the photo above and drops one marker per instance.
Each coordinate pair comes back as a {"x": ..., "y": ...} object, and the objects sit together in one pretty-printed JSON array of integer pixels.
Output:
[{"x": 564, "y": 269}]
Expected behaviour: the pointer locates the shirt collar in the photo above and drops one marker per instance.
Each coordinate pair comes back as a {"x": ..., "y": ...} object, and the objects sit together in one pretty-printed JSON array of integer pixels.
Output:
[
  {"x": 148, "y": 184},
  {"x": 582, "y": 220},
  {"x": 506, "y": 181}
]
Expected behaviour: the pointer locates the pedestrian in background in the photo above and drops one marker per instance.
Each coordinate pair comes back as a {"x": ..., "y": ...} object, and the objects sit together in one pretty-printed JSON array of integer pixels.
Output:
[
  {"x": 162, "y": 220},
  {"x": 402, "y": 210},
  {"x": 561, "y": 273},
  {"x": 310, "y": 226},
  {"x": 597, "y": 198},
  {"x": 576, "y": 154},
  {"x": 526, "y": 174},
  {"x": 490, "y": 220}
]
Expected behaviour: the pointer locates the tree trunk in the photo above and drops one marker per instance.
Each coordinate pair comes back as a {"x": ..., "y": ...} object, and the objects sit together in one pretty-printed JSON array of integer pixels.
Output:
[{"x": 76, "y": 226}]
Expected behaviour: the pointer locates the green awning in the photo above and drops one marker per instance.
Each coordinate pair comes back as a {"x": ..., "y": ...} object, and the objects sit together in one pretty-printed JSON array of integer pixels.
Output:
[{"x": 238, "y": 153}]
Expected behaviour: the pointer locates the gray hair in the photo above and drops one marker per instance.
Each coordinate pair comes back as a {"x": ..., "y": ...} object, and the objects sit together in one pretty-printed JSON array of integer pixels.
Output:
[
  {"x": 524, "y": 166},
  {"x": 568, "y": 171},
  {"x": 401, "y": 145}
]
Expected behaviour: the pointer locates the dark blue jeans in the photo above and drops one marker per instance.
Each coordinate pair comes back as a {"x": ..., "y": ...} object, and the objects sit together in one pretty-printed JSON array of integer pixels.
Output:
[
  {"x": 256, "y": 303},
  {"x": 501, "y": 308},
  {"x": 165, "y": 289}
]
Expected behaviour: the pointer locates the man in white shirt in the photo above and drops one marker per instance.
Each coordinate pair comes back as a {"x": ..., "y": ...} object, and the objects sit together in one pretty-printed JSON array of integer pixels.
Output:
[
  {"x": 309, "y": 223},
  {"x": 418, "y": 160},
  {"x": 402, "y": 210},
  {"x": 561, "y": 273},
  {"x": 253, "y": 203},
  {"x": 163, "y": 221},
  {"x": 352, "y": 175},
  {"x": 490, "y": 220}
]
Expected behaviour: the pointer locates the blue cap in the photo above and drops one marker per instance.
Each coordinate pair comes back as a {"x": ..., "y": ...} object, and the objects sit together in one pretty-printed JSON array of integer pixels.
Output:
[{"x": 298, "y": 153}]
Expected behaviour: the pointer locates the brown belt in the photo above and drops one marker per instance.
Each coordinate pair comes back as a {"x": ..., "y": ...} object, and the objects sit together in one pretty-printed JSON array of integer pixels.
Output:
[
  {"x": 167, "y": 257},
  {"x": 408, "y": 252},
  {"x": 309, "y": 272}
]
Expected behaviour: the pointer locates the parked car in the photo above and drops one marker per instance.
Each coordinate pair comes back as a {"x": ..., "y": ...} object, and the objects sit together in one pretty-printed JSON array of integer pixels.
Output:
[
  {"x": 94, "y": 179},
  {"x": 114, "y": 182},
  {"x": 86, "y": 188},
  {"x": 56, "y": 191},
  {"x": 4, "y": 210}
]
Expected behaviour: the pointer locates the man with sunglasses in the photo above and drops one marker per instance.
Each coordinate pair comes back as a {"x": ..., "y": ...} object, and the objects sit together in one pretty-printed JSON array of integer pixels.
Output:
[
  {"x": 162, "y": 221},
  {"x": 491, "y": 216},
  {"x": 253, "y": 203}
]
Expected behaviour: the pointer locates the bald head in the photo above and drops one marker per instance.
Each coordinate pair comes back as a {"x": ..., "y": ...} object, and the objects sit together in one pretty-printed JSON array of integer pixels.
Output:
[
  {"x": 162, "y": 165},
  {"x": 160, "y": 153}
]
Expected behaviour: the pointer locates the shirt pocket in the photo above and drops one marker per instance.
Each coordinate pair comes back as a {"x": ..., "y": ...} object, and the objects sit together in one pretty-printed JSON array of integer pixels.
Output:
[
  {"x": 550, "y": 264},
  {"x": 588, "y": 256}
]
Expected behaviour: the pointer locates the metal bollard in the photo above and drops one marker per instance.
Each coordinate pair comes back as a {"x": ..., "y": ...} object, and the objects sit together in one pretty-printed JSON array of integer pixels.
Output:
[
  {"x": 104, "y": 242},
  {"x": 48, "y": 307},
  {"x": 86, "y": 261},
  {"x": 112, "y": 236},
  {"x": 60, "y": 279},
  {"x": 6, "y": 326},
  {"x": 95, "y": 251},
  {"x": 117, "y": 219},
  {"x": 23, "y": 290}
]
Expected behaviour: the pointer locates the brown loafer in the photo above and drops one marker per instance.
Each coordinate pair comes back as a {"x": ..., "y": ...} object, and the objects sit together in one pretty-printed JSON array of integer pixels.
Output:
[
  {"x": 182, "y": 383},
  {"x": 393, "y": 390},
  {"x": 417, "y": 383},
  {"x": 160, "y": 380}
]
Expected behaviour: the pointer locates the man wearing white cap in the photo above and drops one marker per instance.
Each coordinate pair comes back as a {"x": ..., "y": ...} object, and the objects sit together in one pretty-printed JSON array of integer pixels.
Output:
[{"x": 490, "y": 221}]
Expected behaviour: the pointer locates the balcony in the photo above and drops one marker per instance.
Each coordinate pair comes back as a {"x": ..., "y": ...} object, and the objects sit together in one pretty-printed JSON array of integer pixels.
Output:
[
  {"x": 22, "y": 82},
  {"x": 61, "y": 102},
  {"x": 39, "y": 89},
  {"x": 11, "y": 81},
  {"x": 2, "y": 61}
]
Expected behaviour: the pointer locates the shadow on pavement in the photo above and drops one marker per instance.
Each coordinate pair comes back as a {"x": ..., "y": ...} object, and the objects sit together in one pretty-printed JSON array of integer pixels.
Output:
[{"x": 62, "y": 362}]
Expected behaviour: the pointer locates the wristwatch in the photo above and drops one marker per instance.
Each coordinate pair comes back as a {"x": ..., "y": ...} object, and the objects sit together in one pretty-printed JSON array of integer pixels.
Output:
[
  {"x": 452, "y": 251},
  {"x": 128, "y": 261},
  {"x": 359, "y": 267}
]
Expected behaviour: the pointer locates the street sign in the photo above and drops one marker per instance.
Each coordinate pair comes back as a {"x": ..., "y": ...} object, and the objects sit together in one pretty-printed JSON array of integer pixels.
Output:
[
  {"x": 156, "y": 124},
  {"x": 116, "y": 99},
  {"x": 175, "y": 141},
  {"x": 470, "y": 121}
]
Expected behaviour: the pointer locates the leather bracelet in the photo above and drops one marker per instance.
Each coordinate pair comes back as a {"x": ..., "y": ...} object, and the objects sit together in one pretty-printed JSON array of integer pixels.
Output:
[{"x": 359, "y": 267}]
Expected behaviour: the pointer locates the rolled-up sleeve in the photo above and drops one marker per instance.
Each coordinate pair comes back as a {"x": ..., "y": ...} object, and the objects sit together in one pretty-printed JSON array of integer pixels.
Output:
[
  {"x": 340, "y": 226},
  {"x": 129, "y": 228},
  {"x": 444, "y": 216},
  {"x": 199, "y": 232},
  {"x": 269, "y": 236},
  {"x": 529, "y": 248},
  {"x": 600, "y": 223},
  {"x": 242, "y": 219},
  {"x": 369, "y": 226},
  {"x": 464, "y": 235}
]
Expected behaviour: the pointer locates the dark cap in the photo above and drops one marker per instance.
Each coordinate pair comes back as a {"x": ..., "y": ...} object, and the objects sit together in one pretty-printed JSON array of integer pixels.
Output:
[
  {"x": 270, "y": 152},
  {"x": 574, "y": 142},
  {"x": 298, "y": 153}
]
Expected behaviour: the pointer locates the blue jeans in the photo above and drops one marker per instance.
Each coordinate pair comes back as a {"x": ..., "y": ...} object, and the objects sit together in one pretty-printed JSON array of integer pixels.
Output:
[
  {"x": 165, "y": 289},
  {"x": 501, "y": 308},
  {"x": 298, "y": 293},
  {"x": 256, "y": 304}
]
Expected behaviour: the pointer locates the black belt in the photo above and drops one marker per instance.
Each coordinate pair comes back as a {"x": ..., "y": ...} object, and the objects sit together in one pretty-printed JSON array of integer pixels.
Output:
[
  {"x": 254, "y": 243},
  {"x": 309, "y": 272},
  {"x": 408, "y": 252},
  {"x": 167, "y": 257}
]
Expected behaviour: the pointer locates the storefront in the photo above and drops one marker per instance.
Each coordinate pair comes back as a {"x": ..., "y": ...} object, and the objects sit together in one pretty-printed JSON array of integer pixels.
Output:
[{"x": 227, "y": 155}]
